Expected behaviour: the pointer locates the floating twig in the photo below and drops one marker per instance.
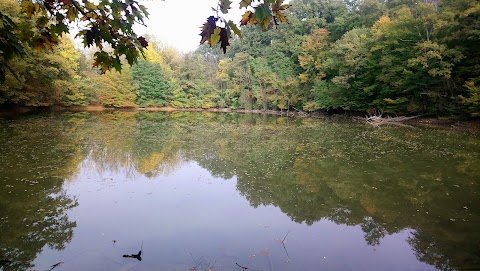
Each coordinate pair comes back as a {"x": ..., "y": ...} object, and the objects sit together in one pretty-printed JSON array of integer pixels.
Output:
[
  {"x": 243, "y": 267},
  {"x": 55, "y": 266},
  {"x": 137, "y": 256}
]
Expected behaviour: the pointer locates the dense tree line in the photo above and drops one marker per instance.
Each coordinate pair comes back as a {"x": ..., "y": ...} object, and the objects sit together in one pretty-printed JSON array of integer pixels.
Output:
[{"x": 395, "y": 56}]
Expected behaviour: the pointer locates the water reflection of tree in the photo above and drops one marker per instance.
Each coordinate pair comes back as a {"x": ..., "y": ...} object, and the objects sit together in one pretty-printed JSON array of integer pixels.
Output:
[
  {"x": 28, "y": 229},
  {"x": 314, "y": 169},
  {"x": 345, "y": 172},
  {"x": 36, "y": 157},
  {"x": 385, "y": 180}
]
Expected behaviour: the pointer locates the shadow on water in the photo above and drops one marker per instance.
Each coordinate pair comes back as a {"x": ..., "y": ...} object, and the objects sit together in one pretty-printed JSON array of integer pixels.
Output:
[{"x": 383, "y": 180}]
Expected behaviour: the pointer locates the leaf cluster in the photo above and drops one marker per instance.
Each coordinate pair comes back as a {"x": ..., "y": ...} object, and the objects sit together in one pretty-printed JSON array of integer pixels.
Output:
[
  {"x": 258, "y": 12},
  {"x": 106, "y": 24},
  {"x": 10, "y": 45}
]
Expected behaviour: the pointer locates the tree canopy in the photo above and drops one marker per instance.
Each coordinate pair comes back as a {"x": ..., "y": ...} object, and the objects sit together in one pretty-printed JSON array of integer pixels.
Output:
[
  {"x": 108, "y": 25},
  {"x": 397, "y": 57}
]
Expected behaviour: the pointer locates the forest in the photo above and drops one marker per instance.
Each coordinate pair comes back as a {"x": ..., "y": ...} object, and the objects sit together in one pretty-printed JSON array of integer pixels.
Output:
[{"x": 392, "y": 56}]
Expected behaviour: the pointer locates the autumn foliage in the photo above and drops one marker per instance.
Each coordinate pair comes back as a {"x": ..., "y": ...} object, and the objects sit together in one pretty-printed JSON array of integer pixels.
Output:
[{"x": 261, "y": 14}]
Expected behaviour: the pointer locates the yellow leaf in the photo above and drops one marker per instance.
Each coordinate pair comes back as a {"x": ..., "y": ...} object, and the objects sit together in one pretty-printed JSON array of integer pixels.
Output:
[
  {"x": 71, "y": 14},
  {"x": 266, "y": 23},
  {"x": 246, "y": 18},
  {"x": 90, "y": 6},
  {"x": 235, "y": 29},
  {"x": 37, "y": 7},
  {"x": 281, "y": 17},
  {"x": 253, "y": 20},
  {"x": 215, "y": 37},
  {"x": 381, "y": 23}
]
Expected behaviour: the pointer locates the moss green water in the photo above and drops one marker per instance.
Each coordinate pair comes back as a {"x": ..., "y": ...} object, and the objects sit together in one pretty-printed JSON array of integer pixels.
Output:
[{"x": 202, "y": 190}]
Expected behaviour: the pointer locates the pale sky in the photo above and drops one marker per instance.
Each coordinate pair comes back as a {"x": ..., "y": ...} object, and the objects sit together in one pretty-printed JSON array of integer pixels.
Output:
[{"x": 177, "y": 23}]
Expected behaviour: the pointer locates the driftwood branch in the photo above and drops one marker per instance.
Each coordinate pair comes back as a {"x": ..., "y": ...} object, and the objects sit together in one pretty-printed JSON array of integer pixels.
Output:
[
  {"x": 301, "y": 113},
  {"x": 377, "y": 120}
]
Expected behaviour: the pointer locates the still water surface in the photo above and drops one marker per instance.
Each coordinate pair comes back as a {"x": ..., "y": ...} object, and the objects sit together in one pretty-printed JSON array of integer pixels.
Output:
[{"x": 203, "y": 191}]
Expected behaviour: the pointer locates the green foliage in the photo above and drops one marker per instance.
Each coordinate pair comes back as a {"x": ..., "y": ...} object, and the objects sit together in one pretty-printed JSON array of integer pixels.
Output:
[
  {"x": 109, "y": 24},
  {"x": 400, "y": 57},
  {"x": 152, "y": 86},
  {"x": 41, "y": 78},
  {"x": 9, "y": 44},
  {"x": 404, "y": 63},
  {"x": 196, "y": 88},
  {"x": 473, "y": 100},
  {"x": 10, "y": 36},
  {"x": 116, "y": 89},
  {"x": 328, "y": 96},
  {"x": 314, "y": 50}
]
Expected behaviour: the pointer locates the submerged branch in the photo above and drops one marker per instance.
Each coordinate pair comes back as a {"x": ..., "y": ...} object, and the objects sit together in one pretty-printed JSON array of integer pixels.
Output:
[
  {"x": 377, "y": 120},
  {"x": 199, "y": 265},
  {"x": 285, "y": 237},
  {"x": 55, "y": 266},
  {"x": 301, "y": 113}
]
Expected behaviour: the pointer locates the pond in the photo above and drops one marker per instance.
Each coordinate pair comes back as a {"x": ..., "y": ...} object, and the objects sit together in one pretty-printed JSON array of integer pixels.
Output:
[{"x": 225, "y": 191}]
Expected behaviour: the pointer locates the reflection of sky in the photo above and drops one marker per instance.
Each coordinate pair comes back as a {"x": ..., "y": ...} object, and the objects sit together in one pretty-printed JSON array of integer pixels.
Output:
[{"x": 189, "y": 211}]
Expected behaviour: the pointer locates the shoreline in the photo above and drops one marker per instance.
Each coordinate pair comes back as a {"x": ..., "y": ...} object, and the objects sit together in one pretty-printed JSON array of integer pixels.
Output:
[
  {"x": 423, "y": 121},
  {"x": 99, "y": 108}
]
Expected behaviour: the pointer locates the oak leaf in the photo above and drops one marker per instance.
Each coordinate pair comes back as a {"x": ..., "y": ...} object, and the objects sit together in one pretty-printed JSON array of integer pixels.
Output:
[
  {"x": 263, "y": 15},
  {"x": 207, "y": 29},
  {"x": 225, "y": 6},
  {"x": 277, "y": 9},
  {"x": 246, "y": 18},
  {"x": 245, "y": 3},
  {"x": 215, "y": 37}
]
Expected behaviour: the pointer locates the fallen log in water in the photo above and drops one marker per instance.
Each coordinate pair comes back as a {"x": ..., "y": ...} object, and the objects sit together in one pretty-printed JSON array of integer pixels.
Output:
[{"x": 378, "y": 120}]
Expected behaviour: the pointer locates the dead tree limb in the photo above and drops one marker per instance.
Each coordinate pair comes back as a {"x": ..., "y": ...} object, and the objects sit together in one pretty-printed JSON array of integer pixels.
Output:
[{"x": 377, "y": 120}]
